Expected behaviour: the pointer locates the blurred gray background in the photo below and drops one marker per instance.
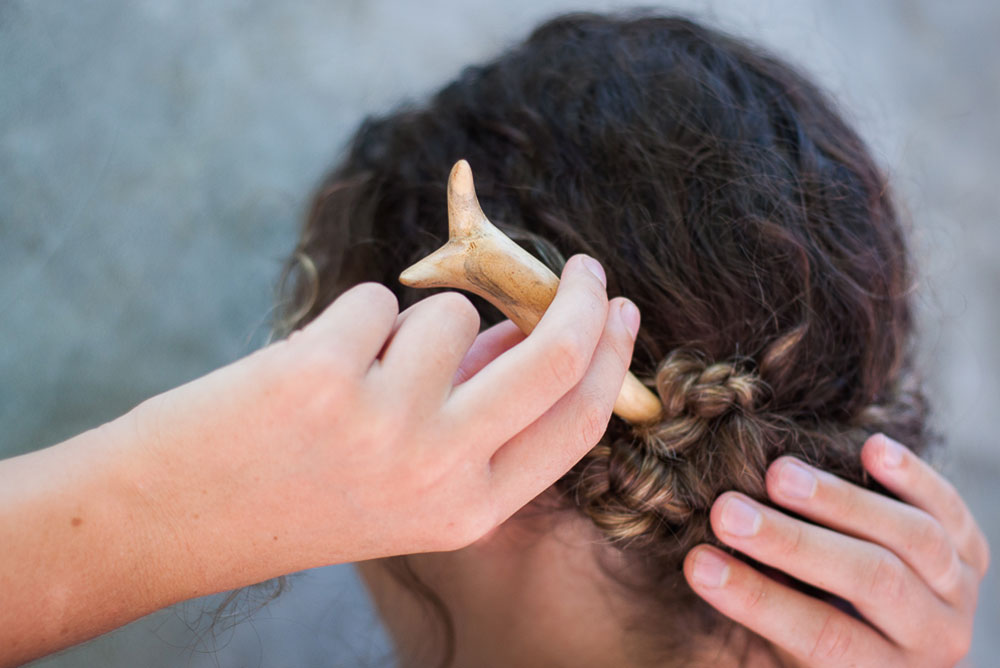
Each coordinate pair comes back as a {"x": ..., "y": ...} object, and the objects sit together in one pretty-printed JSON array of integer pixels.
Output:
[{"x": 155, "y": 161}]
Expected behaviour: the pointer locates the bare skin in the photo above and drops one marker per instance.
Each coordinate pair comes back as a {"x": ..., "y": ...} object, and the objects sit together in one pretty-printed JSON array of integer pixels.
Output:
[
  {"x": 348, "y": 441},
  {"x": 373, "y": 433},
  {"x": 531, "y": 593},
  {"x": 527, "y": 594},
  {"x": 912, "y": 569}
]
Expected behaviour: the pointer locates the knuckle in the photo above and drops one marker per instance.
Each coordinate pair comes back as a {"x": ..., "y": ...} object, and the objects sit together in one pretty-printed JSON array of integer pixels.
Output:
[
  {"x": 383, "y": 432},
  {"x": 335, "y": 368},
  {"x": 791, "y": 540},
  {"x": 846, "y": 499},
  {"x": 599, "y": 298},
  {"x": 948, "y": 574},
  {"x": 323, "y": 368},
  {"x": 886, "y": 579},
  {"x": 974, "y": 546},
  {"x": 833, "y": 641},
  {"x": 566, "y": 360},
  {"x": 943, "y": 565},
  {"x": 623, "y": 345},
  {"x": 593, "y": 420},
  {"x": 754, "y": 595}
]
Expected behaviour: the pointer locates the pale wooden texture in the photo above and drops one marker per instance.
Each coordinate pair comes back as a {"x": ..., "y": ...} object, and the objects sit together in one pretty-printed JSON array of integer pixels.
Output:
[{"x": 481, "y": 259}]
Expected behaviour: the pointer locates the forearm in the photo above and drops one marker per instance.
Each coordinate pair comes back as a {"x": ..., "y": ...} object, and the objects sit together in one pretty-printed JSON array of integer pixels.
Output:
[{"x": 83, "y": 551}]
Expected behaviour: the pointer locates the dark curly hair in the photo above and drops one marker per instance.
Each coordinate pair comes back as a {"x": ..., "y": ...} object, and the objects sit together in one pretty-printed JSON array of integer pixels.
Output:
[{"x": 724, "y": 195}]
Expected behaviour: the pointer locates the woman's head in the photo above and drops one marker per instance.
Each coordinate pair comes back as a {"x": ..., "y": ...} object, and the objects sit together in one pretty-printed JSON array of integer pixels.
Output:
[{"x": 724, "y": 196}]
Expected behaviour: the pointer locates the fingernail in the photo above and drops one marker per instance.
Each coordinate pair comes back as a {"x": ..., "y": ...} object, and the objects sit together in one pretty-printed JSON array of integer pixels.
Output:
[
  {"x": 596, "y": 269},
  {"x": 892, "y": 453},
  {"x": 796, "y": 480},
  {"x": 710, "y": 569},
  {"x": 739, "y": 518},
  {"x": 630, "y": 316}
]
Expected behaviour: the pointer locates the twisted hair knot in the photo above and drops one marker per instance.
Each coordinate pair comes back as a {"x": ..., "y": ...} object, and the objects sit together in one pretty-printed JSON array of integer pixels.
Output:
[
  {"x": 688, "y": 385},
  {"x": 659, "y": 477}
]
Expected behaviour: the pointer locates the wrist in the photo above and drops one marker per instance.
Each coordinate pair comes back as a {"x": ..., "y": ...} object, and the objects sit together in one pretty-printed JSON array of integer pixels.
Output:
[
  {"x": 154, "y": 485},
  {"x": 197, "y": 510},
  {"x": 131, "y": 513}
]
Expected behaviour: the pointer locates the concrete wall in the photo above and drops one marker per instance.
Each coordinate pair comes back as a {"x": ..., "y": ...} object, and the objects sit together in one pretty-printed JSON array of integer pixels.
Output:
[{"x": 155, "y": 159}]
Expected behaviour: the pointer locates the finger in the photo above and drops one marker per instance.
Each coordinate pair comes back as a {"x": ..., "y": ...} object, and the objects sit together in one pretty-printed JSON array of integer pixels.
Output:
[
  {"x": 521, "y": 384},
  {"x": 489, "y": 345},
  {"x": 879, "y": 584},
  {"x": 398, "y": 324},
  {"x": 915, "y": 482},
  {"x": 534, "y": 459},
  {"x": 812, "y": 631},
  {"x": 354, "y": 327},
  {"x": 912, "y": 534},
  {"x": 431, "y": 340}
]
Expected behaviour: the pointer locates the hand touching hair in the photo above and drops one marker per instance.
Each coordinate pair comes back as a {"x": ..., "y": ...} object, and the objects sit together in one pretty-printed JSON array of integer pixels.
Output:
[{"x": 724, "y": 195}]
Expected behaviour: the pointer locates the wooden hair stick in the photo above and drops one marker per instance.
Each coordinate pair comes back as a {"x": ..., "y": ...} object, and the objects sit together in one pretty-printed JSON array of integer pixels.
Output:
[{"x": 483, "y": 260}]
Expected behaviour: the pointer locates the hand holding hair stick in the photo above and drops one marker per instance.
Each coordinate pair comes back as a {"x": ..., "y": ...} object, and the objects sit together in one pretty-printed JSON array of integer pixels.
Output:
[
  {"x": 292, "y": 458},
  {"x": 481, "y": 259}
]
